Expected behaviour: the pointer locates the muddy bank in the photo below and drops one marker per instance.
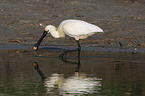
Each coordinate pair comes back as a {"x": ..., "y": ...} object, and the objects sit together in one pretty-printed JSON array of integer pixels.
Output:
[{"x": 122, "y": 20}]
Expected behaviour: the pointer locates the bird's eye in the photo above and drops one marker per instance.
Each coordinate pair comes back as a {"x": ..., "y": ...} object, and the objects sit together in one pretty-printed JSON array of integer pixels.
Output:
[{"x": 46, "y": 31}]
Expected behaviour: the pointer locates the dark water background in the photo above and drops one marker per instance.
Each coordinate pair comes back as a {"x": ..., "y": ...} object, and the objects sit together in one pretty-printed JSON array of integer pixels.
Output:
[{"x": 100, "y": 73}]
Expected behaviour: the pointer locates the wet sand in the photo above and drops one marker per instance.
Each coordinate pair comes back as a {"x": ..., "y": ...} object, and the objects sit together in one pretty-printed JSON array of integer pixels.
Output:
[{"x": 123, "y": 22}]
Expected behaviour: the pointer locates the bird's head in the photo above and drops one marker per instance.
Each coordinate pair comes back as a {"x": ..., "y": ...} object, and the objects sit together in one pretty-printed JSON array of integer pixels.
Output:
[
  {"x": 48, "y": 29},
  {"x": 52, "y": 30}
]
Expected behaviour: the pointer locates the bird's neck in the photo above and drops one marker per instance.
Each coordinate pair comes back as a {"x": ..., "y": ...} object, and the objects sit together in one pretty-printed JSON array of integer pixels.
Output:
[
  {"x": 54, "y": 33},
  {"x": 60, "y": 32}
]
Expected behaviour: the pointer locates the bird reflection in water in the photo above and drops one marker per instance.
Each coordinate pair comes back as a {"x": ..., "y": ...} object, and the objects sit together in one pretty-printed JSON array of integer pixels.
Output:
[{"x": 77, "y": 84}]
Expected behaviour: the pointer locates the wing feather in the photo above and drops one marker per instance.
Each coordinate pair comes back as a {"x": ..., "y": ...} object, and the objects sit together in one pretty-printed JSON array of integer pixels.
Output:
[{"x": 78, "y": 28}]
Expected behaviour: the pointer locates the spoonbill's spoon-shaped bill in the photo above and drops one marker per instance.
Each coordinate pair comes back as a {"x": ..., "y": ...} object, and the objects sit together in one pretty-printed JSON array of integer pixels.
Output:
[{"x": 77, "y": 29}]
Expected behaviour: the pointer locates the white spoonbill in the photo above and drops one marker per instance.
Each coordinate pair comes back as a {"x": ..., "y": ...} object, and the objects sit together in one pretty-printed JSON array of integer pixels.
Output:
[{"x": 77, "y": 29}]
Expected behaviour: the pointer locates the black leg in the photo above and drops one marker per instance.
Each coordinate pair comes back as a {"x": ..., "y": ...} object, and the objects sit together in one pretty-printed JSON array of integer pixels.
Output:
[
  {"x": 65, "y": 52},
  {"x": 79, "y": 46},
  {"x": 78, "y": 63},
  {"x": 63, "y": 58}
]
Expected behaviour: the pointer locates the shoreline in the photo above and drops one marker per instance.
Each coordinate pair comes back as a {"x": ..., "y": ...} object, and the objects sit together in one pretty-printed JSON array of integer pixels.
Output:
[
  {"x": 123, "y": 22},
  {"x": 64, "y": 48}
]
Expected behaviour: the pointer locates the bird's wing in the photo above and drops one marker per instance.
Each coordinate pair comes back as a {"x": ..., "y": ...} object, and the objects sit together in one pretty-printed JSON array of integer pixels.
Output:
[
  {"x": 79, "y": 28},
  {"x": 76, "y": 29}
]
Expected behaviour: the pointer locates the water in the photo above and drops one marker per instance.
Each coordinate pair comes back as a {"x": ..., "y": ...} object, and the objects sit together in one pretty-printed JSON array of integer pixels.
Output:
[{"x": 94, "y": 73}]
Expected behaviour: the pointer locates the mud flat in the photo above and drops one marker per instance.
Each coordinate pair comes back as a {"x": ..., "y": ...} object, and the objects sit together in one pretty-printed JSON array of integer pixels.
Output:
[{"x": 123, "y": 22}]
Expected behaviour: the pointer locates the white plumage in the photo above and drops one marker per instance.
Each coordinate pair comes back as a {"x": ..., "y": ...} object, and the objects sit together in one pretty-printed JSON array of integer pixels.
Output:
[
  {"x": 73, "y": 28},
  {"x": 73, "y": 85},
  {"x": 77, "y": 29}
]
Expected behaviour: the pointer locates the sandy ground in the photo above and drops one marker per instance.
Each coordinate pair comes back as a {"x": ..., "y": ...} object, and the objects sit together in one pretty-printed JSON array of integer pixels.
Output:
[{"x": 122, "y": 20}]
